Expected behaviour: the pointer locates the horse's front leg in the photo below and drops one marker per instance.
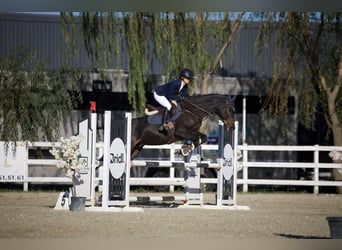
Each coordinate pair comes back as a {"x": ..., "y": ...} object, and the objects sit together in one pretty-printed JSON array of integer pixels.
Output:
[
  {"x": 201, "y": 138},
  {"x": 192, "y": 143}
]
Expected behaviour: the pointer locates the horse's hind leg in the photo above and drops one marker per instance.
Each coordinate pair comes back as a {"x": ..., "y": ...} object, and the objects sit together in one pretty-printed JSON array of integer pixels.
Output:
[{"x": 136, "y": 148}]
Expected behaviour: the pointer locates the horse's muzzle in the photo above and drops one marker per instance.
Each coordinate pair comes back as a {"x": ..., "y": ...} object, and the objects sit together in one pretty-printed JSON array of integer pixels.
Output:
[{"x": 230, "y": 124}]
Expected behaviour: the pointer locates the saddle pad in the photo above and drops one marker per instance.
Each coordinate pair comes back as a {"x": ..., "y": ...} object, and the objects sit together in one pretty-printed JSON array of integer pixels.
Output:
[
  {"x": 154, "y": 119},
  {"x": 157, "y": 118}
]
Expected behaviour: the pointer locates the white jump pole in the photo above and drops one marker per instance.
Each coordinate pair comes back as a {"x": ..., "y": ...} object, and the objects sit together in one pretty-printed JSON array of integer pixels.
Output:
[
  {"x": 236, "y": 131},
  {"x": 93, "y": 126},
  {"x": 128, "y": 117},
  {"x": 106, "y": 147},
  {"x": 220, "y": 159}
]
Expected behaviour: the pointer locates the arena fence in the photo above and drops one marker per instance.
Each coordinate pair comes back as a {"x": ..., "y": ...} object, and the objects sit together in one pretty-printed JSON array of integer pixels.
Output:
[{"x": 18, "y": 171}]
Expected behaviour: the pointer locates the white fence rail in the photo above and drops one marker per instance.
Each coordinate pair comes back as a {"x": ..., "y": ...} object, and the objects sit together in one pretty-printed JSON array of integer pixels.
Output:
[
  {"x": 245, "y": 164},
  {"x": 316, "y": 165}
]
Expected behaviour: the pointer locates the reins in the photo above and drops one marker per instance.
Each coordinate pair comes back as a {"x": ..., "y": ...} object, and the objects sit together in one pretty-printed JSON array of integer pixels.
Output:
[
  {"x": 207, "y": 114},
  {"x": 228, "y": 103}
]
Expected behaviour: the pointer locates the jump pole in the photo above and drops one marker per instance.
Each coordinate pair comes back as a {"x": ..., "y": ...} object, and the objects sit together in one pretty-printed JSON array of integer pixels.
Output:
[
  {"x": 219, "y": 173},
  {"x": 105, "y": 173}
]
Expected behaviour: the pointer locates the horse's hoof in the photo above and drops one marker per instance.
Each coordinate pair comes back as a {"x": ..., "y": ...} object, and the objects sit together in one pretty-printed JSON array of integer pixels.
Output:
[
  {"x": 185, "y": 149},
  {"x": 184, "y": 153}
]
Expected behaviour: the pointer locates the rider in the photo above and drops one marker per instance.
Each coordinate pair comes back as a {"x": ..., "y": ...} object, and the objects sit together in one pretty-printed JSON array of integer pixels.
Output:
[{"x": 173, "y": 90}]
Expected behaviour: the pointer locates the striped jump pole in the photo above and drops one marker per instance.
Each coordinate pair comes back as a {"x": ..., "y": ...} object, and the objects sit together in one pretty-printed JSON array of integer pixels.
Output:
[
  {"x": 175, "y": 164},
  {"x": 190, "y": 182}
]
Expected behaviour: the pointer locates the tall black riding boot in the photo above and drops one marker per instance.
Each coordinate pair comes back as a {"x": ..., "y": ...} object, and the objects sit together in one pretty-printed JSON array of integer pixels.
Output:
[{"x": 164, "y": 126}]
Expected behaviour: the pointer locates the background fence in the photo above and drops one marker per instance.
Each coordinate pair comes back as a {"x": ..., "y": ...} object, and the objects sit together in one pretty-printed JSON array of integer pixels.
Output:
[{"x": 39, "y": 167}]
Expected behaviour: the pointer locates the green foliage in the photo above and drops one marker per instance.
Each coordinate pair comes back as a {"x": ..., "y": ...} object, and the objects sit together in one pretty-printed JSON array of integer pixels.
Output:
[
  {"x": 33, "y": 102},
  {"x": 135, "y": 29},
  {"x": 178, "y": 40},
  {"x": 306, "y": 62}
]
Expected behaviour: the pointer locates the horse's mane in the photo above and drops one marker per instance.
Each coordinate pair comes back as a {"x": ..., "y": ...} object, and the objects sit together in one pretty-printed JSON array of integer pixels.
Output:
[
  {"x": 207, "y": 98},
  {"x": 196, "y": 96},
  {"x": 210, "y": 100}
]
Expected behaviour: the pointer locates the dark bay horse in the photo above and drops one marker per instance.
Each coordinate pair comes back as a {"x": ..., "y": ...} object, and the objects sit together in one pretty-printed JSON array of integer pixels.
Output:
[{"x": 192, "y": 111}]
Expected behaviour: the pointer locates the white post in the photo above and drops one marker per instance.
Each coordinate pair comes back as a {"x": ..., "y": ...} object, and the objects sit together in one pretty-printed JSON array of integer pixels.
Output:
[
  {"x": 106, "y": 148},
  {"x": 93, "y": 126},
  {"x": 25, "y": 184},
  {"x": 219, "y": 184},
  {"x": 236, "y": 131},
  {"x": 316, "y": 170},
  {"x": 244, "y": 107},
  {"x": 219, "y": 172},
  {"x": 172, "y": 170},
  {"x": 128, "y": 155},
  {"x": 245, "y": 168}
]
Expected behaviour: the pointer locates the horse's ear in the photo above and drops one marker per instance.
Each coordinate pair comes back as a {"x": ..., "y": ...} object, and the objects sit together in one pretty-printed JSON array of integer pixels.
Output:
[
  {"x": 231, "y": 102},
  {"x": 232, "y": 98}
]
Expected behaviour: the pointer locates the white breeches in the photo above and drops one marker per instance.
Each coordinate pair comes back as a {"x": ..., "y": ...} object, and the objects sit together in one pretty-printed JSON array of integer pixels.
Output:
[{"x": 162, "y": 100}]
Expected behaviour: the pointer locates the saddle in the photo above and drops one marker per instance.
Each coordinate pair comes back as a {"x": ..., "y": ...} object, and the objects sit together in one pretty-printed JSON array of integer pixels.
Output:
[{"x": 154, "y": 114}]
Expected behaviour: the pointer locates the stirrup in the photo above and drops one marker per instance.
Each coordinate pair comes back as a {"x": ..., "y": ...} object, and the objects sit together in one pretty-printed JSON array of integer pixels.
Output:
[{"x": 187, "y": 148}]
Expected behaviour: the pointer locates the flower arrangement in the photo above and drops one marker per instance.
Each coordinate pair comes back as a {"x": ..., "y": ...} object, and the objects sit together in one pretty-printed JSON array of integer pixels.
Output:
[
  {"x": 68, "y": 157},
  {"x": 238, "y": 159},
  {"x": 336, "y": 155},
  {"x": 238, "y": 155}
]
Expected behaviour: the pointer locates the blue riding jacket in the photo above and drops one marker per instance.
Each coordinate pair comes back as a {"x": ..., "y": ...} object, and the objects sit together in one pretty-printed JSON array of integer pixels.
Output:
[{"x": 171, "y": 90}]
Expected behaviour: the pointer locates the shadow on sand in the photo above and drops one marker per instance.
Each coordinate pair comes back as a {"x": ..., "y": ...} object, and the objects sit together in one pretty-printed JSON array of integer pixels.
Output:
[{"x": 295, "y": 236}]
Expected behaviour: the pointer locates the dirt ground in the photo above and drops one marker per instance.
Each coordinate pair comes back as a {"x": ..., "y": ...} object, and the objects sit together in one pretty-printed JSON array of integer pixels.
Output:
[{"x": 30, "y": 215}]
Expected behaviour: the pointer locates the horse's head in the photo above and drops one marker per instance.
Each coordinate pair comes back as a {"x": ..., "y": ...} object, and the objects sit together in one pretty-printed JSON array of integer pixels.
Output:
[{"x": 226, "y": 112}]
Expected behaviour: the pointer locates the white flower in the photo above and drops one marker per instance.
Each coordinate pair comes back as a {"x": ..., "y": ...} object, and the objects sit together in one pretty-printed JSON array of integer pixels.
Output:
[
  {"x": 238, "y": 154},
  {"x": 68, "y": 155},
  {"x": 336, "y": 155}
]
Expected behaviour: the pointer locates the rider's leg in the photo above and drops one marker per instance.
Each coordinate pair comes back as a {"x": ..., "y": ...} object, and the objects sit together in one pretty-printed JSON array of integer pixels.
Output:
[
  {"x": 172, "y": 112},
  {"x": 163, "y": 101},
  {"x": 164, "y": 123}
]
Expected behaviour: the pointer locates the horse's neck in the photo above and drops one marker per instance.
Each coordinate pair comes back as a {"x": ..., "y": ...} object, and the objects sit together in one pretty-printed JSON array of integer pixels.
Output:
[{"x": 199, "y": 108}]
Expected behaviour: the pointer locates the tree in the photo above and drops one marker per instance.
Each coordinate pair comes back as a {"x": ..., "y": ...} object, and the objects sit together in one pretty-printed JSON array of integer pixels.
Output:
[
  {"x": 33, "y": 102},
  {"x": 308, "y": 61},
  {"x": 178, "y": 40},
  {"x": 232, "y": 30}
]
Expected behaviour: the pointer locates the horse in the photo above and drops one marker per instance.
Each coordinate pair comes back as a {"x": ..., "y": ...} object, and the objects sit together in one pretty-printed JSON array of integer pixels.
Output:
[{"x": 191, "y": 111}]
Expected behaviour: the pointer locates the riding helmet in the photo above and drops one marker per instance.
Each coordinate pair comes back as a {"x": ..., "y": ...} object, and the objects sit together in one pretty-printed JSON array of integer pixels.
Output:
[{"x": 187, "y": 73}]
